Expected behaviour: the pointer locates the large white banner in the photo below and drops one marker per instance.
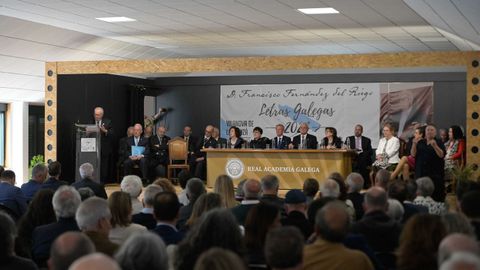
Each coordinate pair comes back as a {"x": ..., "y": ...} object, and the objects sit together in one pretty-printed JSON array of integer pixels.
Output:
[{"x": 320, "y": 105}]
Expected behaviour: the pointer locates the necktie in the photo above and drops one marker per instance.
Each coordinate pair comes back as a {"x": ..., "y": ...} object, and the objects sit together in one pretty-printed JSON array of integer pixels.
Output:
[
  {"x": 303, "y": 141},
  {"x": 280, "y": 142},
  {"x": 136, "y": 141}
]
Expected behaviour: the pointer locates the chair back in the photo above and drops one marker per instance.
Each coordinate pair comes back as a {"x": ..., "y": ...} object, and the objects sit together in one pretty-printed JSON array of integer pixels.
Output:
[{"x": 178, "y": 150}]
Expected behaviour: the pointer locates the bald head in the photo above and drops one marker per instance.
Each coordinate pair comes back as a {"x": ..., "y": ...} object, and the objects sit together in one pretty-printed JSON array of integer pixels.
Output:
[
  {"x": 95, "y": 261},
  {"x": 252, "y": 189},
  {"x": 332, "y": 222},
  {"x": 67, "y": 248},
  {"x": 376, "y": 199},
  {"x": 456, "y": 242}
]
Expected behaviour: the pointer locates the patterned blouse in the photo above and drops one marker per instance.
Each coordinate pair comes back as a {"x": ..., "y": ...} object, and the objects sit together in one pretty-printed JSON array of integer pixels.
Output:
[{"x": 434, "y": 208}]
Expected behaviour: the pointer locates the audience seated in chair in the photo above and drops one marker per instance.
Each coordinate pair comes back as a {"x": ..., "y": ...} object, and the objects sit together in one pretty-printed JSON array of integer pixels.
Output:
[
  {"x": 251, "y": 190},
  {"x": 39, "y": 174},
  {"x": 122, "y": 226},
  {"x": 67, "y": 248},
  {"x": 86, "y": 173},
  {"x": 140, "y": 159},
  {"x": 143, "y": 250},
  {"x": 296, "y": 212},
  {"x": 11, "y": 197},
  {"x": 54, "y": 171},
  {"x": 165, "y": 210},
  {"x": 284, "y": 248},
  {"x": 195, "y": 188},
  {"x": 145, "y": 217},
  {"x": 132, "y": 185}
]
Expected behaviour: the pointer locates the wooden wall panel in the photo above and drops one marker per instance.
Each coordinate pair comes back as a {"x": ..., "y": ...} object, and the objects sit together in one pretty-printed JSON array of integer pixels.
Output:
[{"x": 51, "y": 111}]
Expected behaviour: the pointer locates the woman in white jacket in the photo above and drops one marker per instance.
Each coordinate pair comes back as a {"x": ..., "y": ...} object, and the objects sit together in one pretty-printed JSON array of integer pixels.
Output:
[{"x": 387, "y": 151}]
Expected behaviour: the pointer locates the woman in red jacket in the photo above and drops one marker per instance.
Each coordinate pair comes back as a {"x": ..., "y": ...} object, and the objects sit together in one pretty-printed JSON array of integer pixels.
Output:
[{"x": 455, "y": 149}]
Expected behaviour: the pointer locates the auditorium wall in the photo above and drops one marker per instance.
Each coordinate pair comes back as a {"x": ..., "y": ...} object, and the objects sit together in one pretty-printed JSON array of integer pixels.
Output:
[{"x": 196, "y": 100}]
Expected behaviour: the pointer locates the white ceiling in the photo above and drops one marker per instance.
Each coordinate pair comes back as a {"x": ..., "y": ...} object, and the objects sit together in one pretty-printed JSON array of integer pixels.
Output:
[{"x": 36, "y": 31}]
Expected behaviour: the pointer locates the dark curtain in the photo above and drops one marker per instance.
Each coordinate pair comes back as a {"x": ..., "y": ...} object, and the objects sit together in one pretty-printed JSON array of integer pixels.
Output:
[{"x": 137, "y": 96}]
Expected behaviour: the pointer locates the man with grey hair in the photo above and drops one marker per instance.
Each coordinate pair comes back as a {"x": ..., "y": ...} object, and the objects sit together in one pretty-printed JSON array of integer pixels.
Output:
[
  {"x": 140, "y": 158},
  {"x": 270, "y": 187},
  {"x": 86, "y": 173},
  {"x": 251, "y": 190},
  {"x": 93, "y": 218},
  {"x": 330, "y": 189},
  {"x": 382, "y": 178},
  {"x": 65, "y": 204},
  {"x": 425, "y": 190},
  {"x": 145, "y": 217},
  {"x": 381, "y": 231},
  {"x": 95, "y": 261},
  {"x": 304, "y": 140},
  {"x": 461, "y": 261},
  {"x": 328, "y": 252},
  {"x": 195, "y": 187},
  {"x": 132, "y": 185},
  {"x": 457, "y": 242},
  {"x": 143, "y": 250},
  {"x": 198, "y": 162},
  {"x": 355, "y": 184},
  {"x": 106, "y": 136},
  {"x": 67, "y": 248},
  {"x": 39, "y": 174}
]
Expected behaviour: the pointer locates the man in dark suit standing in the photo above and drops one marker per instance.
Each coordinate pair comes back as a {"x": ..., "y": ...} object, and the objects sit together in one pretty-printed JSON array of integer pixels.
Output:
[
  {"x": 199, "y": 158},
  {"x": 363, "y": 145},
  {"x": 159, "y": 151},
  {"x": 304, "y": 140},
  {"x": 107, "y": 136},
  {"x": 139, "y": 158},
  {"x": 280, "y": 141}
]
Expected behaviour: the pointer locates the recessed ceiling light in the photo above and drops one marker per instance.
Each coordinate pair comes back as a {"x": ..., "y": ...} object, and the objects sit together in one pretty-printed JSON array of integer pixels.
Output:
[
  {"x": 327, "y": 10},
  {"x": 116, "y": 19}
]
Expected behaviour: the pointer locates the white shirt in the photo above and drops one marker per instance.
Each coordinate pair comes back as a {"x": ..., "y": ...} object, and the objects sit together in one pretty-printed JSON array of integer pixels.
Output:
[
  {"x": 119, "y": 234},
  {"x": 391, "y": 149}
]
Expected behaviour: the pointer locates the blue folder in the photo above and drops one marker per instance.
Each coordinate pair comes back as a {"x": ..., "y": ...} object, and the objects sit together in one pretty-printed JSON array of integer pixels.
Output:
[{"x": 138, "y": 150}]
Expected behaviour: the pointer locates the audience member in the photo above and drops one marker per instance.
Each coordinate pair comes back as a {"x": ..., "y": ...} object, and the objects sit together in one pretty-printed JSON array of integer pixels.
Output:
[
  {"x": 195, "y": 188},
  {"x": 65, "y": 204},
  {"x": 93, "y": 218},
  {"x": 165, "y": 211},
  {"x": 143, "y": 250},
  {"x": 39, "y": 174},
  {"x": 411, "y": 195},
  {"x": 251, "y": 190},
  {"x": 469, "y": 207},
  {"x": 86, "y": 173},
  {"x": 333, "y": 188},
  {"x": 132, "y": 185},
  {"x": 204, "y": 203},
  {"x": 67, "y": 248},
  {"x": 355, "y": 184},
  {"x": 198, "y": 163},
  {"x": 328, "y": 252},
  {"x": 296, "y": 208},
  {"x": 330, "y": 188},
  {"x": 382, "y": 177},
  {"x": 145, "y": 217},
  {"x": 425, "y": 189},
  {"x": 270, "y": 186},
  {"x": 457, "y": 223},
  {"x": 183, "y": 177},
  {"x": 419, "y": 242},
  {"x": 11, "y": 197},
  {"x": 54, "y": 171},
  {"x": 217, "y": 228},
  {"x": 239, "y": 194},
  {"x": 310, "y": 188},
  {"x": 224, "y": 187},
  {"x": 381, "y": 231},
  {"x": 8, "y": 259},
  {"x": 315, "y": 206},
  {"x": 284, "y": 248},
  {"x": 95, "y": 261},
  {"x": 165, "y": 184},
  {"x": 457, "y": 242},
  {"x": 395, "y": 210},
  {"x": 219, "y": 259},
  {"x": 85, "y": 193},
  {"x": 461, "y": 261},
  {"x": 141, "y": 157},
  {"x": 120, "y": 206},
  {"x": 397, "y": 189}
]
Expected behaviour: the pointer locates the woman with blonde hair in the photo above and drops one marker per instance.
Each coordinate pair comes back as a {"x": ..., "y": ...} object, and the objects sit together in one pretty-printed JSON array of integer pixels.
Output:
[
  {"x": 224, "y": 187},
  {"x": 121, "y": 208},
  {"x": 165, "y": 184}
]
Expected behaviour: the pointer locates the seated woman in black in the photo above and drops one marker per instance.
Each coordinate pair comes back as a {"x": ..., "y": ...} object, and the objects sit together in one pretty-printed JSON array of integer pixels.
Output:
[
  {"x": 259, "y": 142},
  {"x": 235, "y": 141},
  {"x": 331, "y": 141}
]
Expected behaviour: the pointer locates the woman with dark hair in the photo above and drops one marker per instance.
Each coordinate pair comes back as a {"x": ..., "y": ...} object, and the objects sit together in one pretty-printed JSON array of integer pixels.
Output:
[
  {"x": 39, "y": 212},
  {"x": 419, "y": 242},
  {"x": 204, "y": 203},
  {"x": 455, "y": 148},
  {"x": 259, "y": 142},
  {"x": 260, "y": 220},
  {"x": 408, "y": 162},
  {"x": 331, "y": 140},
  {"x": 216, "y": 228},
  {"x": 235, "y": 141}
]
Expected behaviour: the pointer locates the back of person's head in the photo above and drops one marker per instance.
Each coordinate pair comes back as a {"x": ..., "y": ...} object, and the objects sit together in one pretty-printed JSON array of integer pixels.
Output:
[
  {"x": 461, "y": 261},
  {"x": 284, "y": 248},
  {"x": 376, "y": 199},
  {"x": 8, "y": 176},
  {"x": 166, "y": 206},
  {"x": 121, "y": 208},
  {"x": 91, "y": 212},
  {"x": 7, "y": 235},
  {"x": 143, "y": 250},
  {"x": 204, "y": 203},
  {"x": 469, "y": 204},
  {"x": 336, "y": 176},
  {"x": 259, "y": 220},
  {"x": 270, "y": 183},
  {"x": 39, "y": 172},
  {"x": 395, "y": 210},
  {"x": 54, "y": 168},
  {"x": 219, "y": 259},
  {"x": 183, "y": 177},
  {"x": 425, "y": 186},
  {"x": 195, "y": 188},
  {"x": 251, "y": 189},
  {"x": 149, "y": 195},
  {"x": 86, "y": 171},
  {"x": 355, "y": 182},
  {"x": 85, "y": 193},
  {"x": 95, "y": 261},
  {"x": 224, "y": 187},
  {"x": 239, "y": 194},
  {"x": 381, "y": 178},
  {"x": 332, "y": 222},
  {"x": 315, "y": 206},
  {"x": 398, "y": 190},
  {"x": 457, "y": 223},
  {"x": 310, "y": 187},
  {"x": 39, "y": 212},
  {"x": 67, "y": 248},
  {"x": 132, "y": 185},
  {"x": 330, "y": 188},
  {"x": 165, "y": 184},
  {"x": 457, "y": 243},
  {"x": 411, "y": 190},
  {"x": 66, "y": 201},
  {"x": 466, "y": 186}
]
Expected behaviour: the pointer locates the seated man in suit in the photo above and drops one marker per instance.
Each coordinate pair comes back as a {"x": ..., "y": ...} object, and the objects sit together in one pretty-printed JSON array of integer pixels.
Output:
[
  {"x": 280, "y": 141},
  {"x": 136, "y": 158},
  {"x": 159, "y": 151},
  {"x": 11, "y": 196},
  {"x": 363, "y": 145},
  {"x": 304, "y": 140},
  {"x": 39, "y": 174},
  {"x": 190, "y": 139},
  {"x": 54, "y": 182},
  {"x": 145, "y": 217},
  {"x": 198, "y": 164},
  {"x": 122, "y": 154},
  {"x": 221, "y": 142},
  {"x": 86, "y": 173},
  {"x": 165, "y": 210},
  {"x": 252, "y": 189}
]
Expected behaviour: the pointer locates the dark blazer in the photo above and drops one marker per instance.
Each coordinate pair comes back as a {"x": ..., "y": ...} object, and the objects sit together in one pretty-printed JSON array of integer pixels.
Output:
[
  {"x": 168, "y": 234},
  {"x": 16, "y": 262},
  {"x": 283, "y": 145},
  {"x": 299, "y": 220},
  {"x": 159, "y": 149},
  {"x": 142, "y": 142},
  {"x": 237, "y": 145},
  {"x": 12, "y": 197},
  {"x": 241, "y": 211},
  {"x": 43, "y": 237},
  {"x": 357, "y": 200},
  {"x": 53, "y": 184},
  {"x": 310, "y": 141},
  {"x": 30, "y": 188},
  {"x": 107, "y": 139},
  {"x": 202, "y": 143},
  {"x": 97, "y": 188},
  {"x": 336, "y": 141},
  {"x": 366, "y": 147},
  {"x": 146, "y": 220},
  {"x": 221, "y": 141},
  {"x": 122, "y": 150},
  {"x": 260, "y": 143},
  {"x": 184, "y": 214},
  {"x": 192, "y": 143}
]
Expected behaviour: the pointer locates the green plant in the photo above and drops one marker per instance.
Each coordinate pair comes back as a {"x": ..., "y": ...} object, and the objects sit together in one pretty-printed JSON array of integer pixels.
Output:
[
  {"x": 463, "y": 173},
  {"x": 36, "y": 160}
]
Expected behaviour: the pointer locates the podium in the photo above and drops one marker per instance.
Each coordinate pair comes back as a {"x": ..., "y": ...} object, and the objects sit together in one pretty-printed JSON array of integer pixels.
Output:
[{"x": 88, "y": 147}]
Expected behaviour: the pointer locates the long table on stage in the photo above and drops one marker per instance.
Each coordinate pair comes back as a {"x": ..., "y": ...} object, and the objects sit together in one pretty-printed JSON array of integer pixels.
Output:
[{"x": 291, "y": 166}]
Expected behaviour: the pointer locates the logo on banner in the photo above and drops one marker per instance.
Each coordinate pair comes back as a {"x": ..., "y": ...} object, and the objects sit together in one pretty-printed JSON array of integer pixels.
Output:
[{"x": 234, "y": 168}]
